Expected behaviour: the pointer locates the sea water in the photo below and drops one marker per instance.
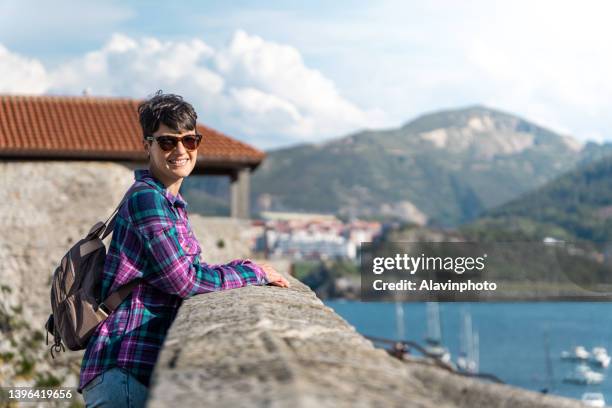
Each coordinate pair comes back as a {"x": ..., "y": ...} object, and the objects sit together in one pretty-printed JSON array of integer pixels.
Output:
[{"x": 513, "y": 336}]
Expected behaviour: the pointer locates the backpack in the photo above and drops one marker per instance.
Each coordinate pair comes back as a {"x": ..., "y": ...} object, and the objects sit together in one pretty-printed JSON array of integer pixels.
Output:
[{"x": 77, "y": 309}]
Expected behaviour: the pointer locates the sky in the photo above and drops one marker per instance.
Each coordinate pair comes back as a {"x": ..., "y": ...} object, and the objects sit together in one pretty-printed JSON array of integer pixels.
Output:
[{"x": 278, "y": 73}]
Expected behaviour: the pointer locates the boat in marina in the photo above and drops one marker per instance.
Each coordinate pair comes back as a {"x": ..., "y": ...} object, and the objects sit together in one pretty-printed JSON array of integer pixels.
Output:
[
  {"x": 468, "y": 360},
  {"x": 593, "y": 399},
  {"x": 584, "y": 375},
  {"x": 600, "y": 357},
  {"x": 579, "y": 353},
  {"x": 434, "y": 346}
]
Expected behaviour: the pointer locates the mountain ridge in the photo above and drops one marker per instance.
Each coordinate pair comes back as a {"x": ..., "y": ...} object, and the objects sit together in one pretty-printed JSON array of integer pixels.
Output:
[{"x": 454, "y": 164}]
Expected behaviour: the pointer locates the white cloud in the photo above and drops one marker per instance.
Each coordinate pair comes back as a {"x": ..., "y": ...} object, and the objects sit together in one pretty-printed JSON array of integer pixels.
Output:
[
  {"x": 19, "y": 74},
  {"x": 254, "y": 89},
  {"x": 253, "y": 100},
  {"x": 552, "y": 67},
  {"x": 129, "y": 67},
  {"x": 268, "y": 79}
]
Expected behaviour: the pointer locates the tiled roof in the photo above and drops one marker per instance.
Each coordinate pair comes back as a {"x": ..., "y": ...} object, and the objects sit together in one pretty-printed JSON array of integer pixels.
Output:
[{"x": 88, "y": 127}]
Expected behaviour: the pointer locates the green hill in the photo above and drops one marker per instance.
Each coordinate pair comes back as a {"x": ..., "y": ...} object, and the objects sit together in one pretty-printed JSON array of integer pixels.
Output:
[
  {"x": 576, "y": 205},
  {"x": 444, "y": 168}
]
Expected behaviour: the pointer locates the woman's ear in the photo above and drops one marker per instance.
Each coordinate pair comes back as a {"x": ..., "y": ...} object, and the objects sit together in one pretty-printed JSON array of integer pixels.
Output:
[{"x": 146, "y": 146}]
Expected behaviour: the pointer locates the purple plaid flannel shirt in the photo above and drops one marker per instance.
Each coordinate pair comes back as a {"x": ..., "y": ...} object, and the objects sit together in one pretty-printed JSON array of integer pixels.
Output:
[{"x": 153, "y": 240}]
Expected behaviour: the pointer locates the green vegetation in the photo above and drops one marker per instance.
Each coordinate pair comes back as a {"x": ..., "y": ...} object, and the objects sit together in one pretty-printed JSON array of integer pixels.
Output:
[
  {"x": 338, "y": 268},
  {"x": 321, "y": 276},
  {"x": 575, "y": 206},
  {"x": 25, "y": 366},
  {"x": 301, "y": 269},
  {"x": 6, "y": 356},
  {"x": 35, "y": 340},
  {"x": 207, "y": 195},
  {"x": 47, "y": 380},
  {"x": 26, "y": 352}
]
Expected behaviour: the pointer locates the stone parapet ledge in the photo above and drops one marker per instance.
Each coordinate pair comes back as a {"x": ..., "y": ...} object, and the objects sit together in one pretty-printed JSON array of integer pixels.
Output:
[{"x": 273, "y": 347}]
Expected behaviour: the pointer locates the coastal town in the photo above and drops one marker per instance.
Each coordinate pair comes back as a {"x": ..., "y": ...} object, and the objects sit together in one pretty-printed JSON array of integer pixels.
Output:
[{"x": 301, "y": 236}]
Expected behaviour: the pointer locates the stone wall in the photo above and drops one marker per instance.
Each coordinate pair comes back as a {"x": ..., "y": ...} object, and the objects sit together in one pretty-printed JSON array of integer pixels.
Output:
[
  {"x": 273, "y": 347},
  {"x": 47, "y": 207}
]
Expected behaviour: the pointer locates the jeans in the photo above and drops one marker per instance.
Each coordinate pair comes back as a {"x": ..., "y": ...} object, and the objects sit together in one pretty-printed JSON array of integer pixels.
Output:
[{"x": 115, "y": 388}]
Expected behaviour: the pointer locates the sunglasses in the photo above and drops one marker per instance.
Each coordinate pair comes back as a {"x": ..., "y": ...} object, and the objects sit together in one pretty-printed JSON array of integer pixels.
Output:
[{"x": 168, "y": 142}]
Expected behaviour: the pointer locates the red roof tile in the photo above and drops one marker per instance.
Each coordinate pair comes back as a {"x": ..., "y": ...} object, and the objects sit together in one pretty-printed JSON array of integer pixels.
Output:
[{"x": 96, "y": 128}]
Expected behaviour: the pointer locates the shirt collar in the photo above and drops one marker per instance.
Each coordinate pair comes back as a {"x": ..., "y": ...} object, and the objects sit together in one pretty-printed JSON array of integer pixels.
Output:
[{"x": 146, "y": 176}]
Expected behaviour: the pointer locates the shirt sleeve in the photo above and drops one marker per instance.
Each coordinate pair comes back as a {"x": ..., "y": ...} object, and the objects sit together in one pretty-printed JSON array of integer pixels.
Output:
[{"x": 169, "y": 268}]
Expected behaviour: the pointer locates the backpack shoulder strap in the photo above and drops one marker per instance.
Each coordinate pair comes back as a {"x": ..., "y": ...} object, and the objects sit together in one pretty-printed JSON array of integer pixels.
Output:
[
  {"x": 113, "y": 300},
  {"x": 110, "y": 222}
]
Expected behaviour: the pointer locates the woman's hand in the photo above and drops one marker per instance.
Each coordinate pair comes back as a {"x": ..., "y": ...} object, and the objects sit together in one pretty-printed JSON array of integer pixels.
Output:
[{"x": 274, "y": 278}]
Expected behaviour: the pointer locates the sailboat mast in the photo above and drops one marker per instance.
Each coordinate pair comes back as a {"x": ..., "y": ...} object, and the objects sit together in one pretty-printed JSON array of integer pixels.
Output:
[
  {"x": 549, "y": 369},
  {"x": 469, "y": 336},
  {"x": 434, "y": 335},
  {"x": 476, "y": 352},
  {"x": 399, "y": 321}
]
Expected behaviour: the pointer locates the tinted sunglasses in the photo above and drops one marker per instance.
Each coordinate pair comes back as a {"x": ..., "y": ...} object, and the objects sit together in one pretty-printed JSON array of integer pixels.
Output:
[{"x": 168, "y": 142}]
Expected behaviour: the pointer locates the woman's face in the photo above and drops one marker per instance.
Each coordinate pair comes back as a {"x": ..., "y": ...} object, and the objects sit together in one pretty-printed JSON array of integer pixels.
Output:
[{"x": 175, "y": 164}]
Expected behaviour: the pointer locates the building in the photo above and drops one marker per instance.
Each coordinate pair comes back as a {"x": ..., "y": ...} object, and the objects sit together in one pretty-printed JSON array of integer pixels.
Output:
[
  {"x": 308, "y": 236},
  {"x": 107, "y": 129}
]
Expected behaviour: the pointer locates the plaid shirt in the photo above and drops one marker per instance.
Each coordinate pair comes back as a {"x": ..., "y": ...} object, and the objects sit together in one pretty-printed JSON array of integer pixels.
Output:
[{"x": 153, "y": 240}]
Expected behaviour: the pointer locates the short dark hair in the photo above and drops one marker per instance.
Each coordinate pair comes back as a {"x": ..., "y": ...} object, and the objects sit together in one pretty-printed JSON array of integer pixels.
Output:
[{"x": 169, "y": 109}]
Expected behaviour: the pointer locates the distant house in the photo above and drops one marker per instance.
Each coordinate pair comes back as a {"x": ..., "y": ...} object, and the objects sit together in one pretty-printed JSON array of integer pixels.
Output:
[{"x": 107, "y": 129}]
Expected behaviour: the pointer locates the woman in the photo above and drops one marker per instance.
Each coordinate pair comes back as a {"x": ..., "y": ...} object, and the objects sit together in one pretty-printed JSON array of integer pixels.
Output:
[{"x": 152, "y": 241}]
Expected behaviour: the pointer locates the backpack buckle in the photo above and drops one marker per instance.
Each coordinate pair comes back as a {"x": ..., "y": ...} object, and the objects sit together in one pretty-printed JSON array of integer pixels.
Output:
[{"x": 104, "y": 308}]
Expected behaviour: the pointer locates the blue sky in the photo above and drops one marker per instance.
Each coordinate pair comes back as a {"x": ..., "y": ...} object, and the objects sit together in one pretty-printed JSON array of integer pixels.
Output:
[{"x": 280, "y": 73}]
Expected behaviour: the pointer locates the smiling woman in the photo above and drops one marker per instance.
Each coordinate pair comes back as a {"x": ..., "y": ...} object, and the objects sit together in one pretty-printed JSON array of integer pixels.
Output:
[
  {"x": 172, "y": 155},
  {"x": 170, "y": 138},
  {"x": 153, "y": 245}
]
